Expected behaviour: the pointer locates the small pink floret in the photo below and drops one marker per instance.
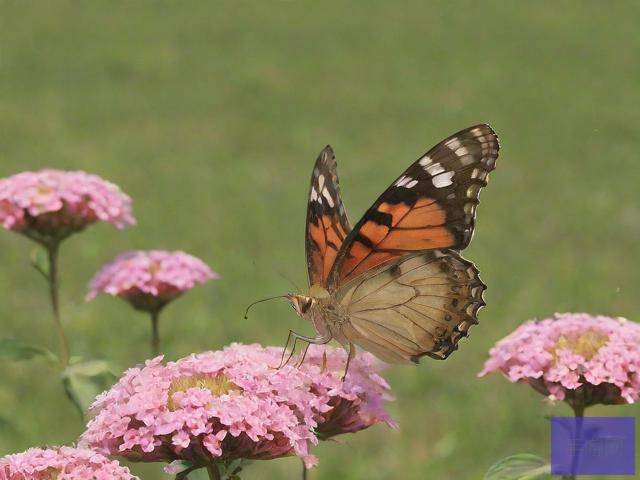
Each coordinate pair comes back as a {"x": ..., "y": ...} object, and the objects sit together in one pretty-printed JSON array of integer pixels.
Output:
[{"x": 61, "y": 463}]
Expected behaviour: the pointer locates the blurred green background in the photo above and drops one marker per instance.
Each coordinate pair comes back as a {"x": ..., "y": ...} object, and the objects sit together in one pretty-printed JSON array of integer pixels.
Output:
[{"x": 210, "y": 115}]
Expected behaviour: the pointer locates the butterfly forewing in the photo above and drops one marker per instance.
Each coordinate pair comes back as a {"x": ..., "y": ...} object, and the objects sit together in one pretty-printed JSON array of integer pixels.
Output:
[
  {"x": 431, "y": 205},
  {"x": 327, "y": 222},
  {"x": 421, "y": 304}
]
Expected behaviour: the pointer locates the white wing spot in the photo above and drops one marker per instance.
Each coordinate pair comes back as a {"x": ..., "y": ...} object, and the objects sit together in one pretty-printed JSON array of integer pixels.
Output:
[
  {"x": 434, "y": 169},
  {"x": 442, "y": 180},
  {"x": 479, "y": 173},
  {"x": 327, "y": 195},
  {"x": 314, "y": 194},
  {"x": 454, "y": 144},
  {"x": 425, "y": 161},
  {"x": 321, "y": 182},
  {"x": 411, "y": 184},
  {"x": 403, "y": 180},
  {"x": 462, "y": 151}
]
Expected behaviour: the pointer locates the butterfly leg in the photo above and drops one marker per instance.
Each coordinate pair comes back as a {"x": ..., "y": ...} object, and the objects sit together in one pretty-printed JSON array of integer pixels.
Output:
[
  {"x": 284, "y": 351},
  {"x": 304, "y": 355},
  {"x": 296, "y": 336},
  {"x": 317, "y": 341},
  {"x": 352, "y": 353},
  {"x": 320, "y": 340}
]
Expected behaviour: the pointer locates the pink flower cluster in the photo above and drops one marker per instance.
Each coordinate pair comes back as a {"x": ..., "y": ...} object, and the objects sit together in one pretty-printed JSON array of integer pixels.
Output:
[
  {"x": 233, "y": 404},
  {"x": 49, "y": 205},
  {"x": 150, "y": 279},
  {"x": 574, "y": 357},
  {"x": 61, "y": 463},
  {"x": 358, "y": 402}
]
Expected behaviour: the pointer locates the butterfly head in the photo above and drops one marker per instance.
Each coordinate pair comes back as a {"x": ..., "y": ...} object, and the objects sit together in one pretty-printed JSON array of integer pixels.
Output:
[{"x": 302, "y": 304}]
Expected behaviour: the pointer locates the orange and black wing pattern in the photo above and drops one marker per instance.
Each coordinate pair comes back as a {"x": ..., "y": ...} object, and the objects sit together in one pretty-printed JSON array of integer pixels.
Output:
[
  {"x": 430, "y": 206},
  {"x": 327, "y": 222}
]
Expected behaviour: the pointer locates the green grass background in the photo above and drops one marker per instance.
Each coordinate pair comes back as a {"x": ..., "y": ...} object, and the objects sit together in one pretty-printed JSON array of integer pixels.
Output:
[{"x": 210, "y": 115}]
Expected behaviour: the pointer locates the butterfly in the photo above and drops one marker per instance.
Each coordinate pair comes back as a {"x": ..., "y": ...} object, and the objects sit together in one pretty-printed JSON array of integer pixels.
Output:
[{"x": 395, "y": 284}]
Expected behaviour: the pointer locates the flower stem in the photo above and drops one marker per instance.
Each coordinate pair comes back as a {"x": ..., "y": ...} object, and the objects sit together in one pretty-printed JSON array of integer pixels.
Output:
[
  {"x": 54, "y": 287},
  {"x": 305, "y": 472},
  {"x": 578, "y": 412},
  {"x": 213, "y": 472},
  {"x": 155, "y": 334}
]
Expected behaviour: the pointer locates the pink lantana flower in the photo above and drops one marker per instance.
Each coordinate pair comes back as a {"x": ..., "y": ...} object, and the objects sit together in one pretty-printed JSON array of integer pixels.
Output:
[
  {"x": 216, "y": 407},
  {"x": 576, "y": 357},
  {"x": 149, "y": 280},
  {"x": 61, "y": 463},
  {"x": 49, "y": 205}
]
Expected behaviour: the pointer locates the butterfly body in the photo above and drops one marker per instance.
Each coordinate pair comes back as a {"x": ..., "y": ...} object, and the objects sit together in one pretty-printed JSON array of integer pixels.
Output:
[
  {"x": 323, "y": 311},
  {"x": 395, "y": 284}
]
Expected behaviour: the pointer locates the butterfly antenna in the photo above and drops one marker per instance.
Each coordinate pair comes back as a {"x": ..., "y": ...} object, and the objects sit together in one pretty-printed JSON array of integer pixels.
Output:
[
  {"x": 283, "y": 276},
  {"x": 246, "y": 313}
]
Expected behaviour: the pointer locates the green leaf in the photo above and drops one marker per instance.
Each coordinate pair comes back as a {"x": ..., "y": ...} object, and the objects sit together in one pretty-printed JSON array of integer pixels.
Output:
[
  {"x": 522, "y": 466},
  {"x": 84, "y": 380},
  {"x": 12, "y": 349},
  {"x": 40, "y": 261}
]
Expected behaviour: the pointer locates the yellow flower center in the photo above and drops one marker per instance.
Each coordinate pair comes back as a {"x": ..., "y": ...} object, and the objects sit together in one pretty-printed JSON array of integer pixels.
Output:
[
  {"x": 154, "y": 267},
  {"x": 218, "y": 385},
  {"x": 585, "y": 345},
  {"x": 51, "y": 474}
]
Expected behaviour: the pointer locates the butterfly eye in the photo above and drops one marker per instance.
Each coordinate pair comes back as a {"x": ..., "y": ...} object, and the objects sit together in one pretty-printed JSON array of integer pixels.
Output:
[{"x": 306, "y": 305}]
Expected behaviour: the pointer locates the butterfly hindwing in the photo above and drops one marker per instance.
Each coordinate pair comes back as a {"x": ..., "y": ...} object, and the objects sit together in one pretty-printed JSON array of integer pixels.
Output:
[
  {"x": 421, "y": 304},
  {"x": 327, "y": 222},
  {"x": 430, "y": 206}
]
